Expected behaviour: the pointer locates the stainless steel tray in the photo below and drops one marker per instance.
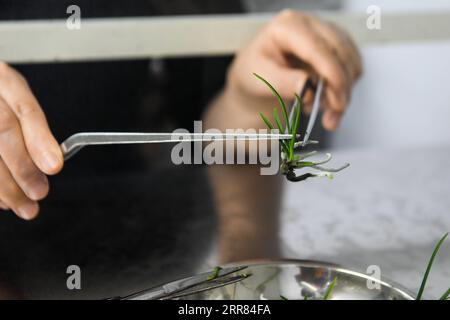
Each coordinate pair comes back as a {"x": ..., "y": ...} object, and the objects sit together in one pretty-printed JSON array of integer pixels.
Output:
[{"x": 290, "y": 279}]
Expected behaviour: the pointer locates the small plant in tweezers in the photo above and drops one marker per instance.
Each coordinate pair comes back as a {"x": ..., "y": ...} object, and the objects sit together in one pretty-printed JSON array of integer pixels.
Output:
[{"x": 291, "y": 159}]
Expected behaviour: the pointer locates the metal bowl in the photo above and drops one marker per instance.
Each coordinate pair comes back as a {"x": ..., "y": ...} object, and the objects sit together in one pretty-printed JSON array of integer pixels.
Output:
[{"x": 288, "y": 279}]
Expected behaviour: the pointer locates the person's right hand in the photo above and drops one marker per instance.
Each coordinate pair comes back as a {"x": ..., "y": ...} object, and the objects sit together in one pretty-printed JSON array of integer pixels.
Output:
[{"x": 28, "y": 150}]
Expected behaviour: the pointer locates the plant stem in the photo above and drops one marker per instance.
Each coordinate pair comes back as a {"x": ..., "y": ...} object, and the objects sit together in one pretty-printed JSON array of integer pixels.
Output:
[
  {"x": 295, "y": 127},
  {"x": 214, "y": 274},
  {"x": 445, "y": 295},
  {"x": 330, "y": 289},
  {"x": 430, "y": 264}
]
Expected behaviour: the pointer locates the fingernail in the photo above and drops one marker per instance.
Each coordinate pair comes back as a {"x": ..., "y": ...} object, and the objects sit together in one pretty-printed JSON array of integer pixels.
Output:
[
  {"x": 28, "y": 211},
  {"x": 38, "y": 189},
  {"x": 51, "y": 161}
]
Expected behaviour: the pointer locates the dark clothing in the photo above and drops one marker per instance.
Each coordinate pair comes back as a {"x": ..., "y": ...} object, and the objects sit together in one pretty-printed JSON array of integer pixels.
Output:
[
  {"x": 127, "y": 222},
  {"x": 56, "y": 9}
]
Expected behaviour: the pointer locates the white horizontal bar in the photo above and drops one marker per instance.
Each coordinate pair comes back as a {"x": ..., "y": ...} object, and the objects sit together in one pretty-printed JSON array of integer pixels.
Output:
[{"x": 121, "y": 38}]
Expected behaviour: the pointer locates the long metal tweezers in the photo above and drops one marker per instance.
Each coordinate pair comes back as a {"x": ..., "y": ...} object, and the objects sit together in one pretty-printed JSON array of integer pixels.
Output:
[{"x": 74, "y": 143}]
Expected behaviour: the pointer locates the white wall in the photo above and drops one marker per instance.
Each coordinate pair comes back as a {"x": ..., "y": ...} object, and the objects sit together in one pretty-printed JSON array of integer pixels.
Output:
[
  {"x": 396, "y": 5},
  {"x": 402, "y": 99},
  {"x": 404, "y": 96}
]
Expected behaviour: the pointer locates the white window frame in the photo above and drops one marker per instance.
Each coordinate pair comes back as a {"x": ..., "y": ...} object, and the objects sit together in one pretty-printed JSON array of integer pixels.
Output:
[{"x": 37, "y": 41}]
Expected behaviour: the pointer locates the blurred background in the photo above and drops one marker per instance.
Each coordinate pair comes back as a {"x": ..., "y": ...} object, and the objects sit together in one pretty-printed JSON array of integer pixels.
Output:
[{"x": 161, "y": 223}]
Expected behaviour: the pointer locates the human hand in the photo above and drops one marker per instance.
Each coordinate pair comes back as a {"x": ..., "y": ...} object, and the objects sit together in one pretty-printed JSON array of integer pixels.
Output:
[
  {"x": 291, "y": 49},
  {"x": 28, "y": 150}
]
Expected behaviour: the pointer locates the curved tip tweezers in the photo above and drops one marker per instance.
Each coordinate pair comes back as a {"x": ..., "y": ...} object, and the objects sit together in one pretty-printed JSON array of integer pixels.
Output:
[{"x": 76, "y": 142}]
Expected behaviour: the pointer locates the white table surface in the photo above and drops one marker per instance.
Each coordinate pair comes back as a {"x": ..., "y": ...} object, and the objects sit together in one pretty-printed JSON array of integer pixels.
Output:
[{"x": 389, "y": 208}]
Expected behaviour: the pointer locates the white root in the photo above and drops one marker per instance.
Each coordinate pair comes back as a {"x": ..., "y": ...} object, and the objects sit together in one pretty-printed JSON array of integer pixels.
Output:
[
  {"x": 300, "y": 143},
  {"x": 329, "y": 157},
  {"x": 330, "y": 169},
  {"x": 326, "y": 174}
]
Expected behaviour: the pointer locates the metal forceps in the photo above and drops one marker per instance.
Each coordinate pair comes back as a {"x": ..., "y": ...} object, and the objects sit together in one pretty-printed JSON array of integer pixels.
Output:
[
  {"x": 315, "y": 109},
  {"x": 192, "y": 285},
  {"x": 77, "y": 141}
]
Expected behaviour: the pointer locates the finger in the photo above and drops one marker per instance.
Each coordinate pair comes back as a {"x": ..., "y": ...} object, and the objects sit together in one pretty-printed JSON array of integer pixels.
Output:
[
  {"x": 357, "y": 58},
  {"x": 13, "y": 197},
  {"x": 343, "y": 60},
  {"x": 292, "y": 81},
  {"x": 331, "y": 119},
  {"x": 338, "y": 93},
  {"x": 39, "y": 141},
  {"x": 295, "y": 35},
  {"x": 15, "y": 156},
  {"x": 308, "y": 104},
  {"x": 3, "y": 206},
  {"x": 339, "y": 101},
  {"x": 287, "y": 81},
  {"x": 346, "y": 51}
]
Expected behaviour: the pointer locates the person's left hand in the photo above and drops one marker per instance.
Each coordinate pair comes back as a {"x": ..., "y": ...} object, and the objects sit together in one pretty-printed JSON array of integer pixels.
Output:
[{"x": 291, "y": 49}]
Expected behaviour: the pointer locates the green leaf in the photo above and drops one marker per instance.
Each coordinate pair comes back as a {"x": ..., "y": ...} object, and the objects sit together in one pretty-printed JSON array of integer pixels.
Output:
[
  {"x": 430, "y": 264},
  {"x": 283, "y": 143},
  {"x": 284, "y": 146},
  {"x": 330, "y": 289},
  {"x": 280, "y": 99},
  {"x": 446, "y": 295},
  {"x": 277, "y": 120},
  {"x": 214, "y": 274},
  {"x": 266, "y": 121},
  {"x": 295, "y": 125},
  {"x": 305, "y": 164},
  {"x": 283, "y": 297}
]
